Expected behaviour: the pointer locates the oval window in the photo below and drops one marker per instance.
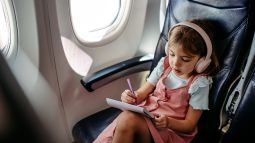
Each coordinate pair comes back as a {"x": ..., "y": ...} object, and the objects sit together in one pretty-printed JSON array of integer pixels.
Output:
[
  {"x": 5, "y": 29},
  {"x": 7, "y": 26},
  {"x": 96, "y": 22}
]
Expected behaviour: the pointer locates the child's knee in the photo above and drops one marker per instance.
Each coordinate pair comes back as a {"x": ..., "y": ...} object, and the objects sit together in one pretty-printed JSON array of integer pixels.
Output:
[{"x": 128, "y": 119}]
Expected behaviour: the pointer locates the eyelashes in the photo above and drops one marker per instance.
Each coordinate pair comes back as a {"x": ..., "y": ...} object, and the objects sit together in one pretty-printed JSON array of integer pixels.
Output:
[{"x": 184, "y": 58}]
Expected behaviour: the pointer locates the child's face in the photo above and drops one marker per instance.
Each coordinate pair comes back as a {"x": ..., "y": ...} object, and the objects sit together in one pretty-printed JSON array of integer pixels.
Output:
[{"x": 181, "y": 62}]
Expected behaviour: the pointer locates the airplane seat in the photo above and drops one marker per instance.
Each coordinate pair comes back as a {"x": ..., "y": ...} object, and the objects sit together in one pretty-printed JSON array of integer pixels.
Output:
[
  {"x": 234, "y": 21},
  {"x": 238, "y": 112},
  {"x": 86, "y": 130}
]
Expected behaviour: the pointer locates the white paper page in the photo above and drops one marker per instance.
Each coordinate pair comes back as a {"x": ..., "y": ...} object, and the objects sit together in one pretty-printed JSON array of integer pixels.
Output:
[{"x": 126, "y": 106}]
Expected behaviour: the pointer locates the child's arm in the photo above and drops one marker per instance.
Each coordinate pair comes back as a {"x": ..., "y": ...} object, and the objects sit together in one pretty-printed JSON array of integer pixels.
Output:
[
  {"x": 140, "y": 94},
  {"x": 144, "y": 91},
  {"x": 187, "y": 125}
]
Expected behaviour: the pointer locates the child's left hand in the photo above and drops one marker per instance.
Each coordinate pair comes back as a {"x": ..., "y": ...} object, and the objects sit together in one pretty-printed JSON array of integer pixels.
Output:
[{"x": 160, "y": 121}]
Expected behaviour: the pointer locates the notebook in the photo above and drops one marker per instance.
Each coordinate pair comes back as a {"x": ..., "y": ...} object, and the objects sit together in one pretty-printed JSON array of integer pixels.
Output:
[{"x": 126, "y": 106}]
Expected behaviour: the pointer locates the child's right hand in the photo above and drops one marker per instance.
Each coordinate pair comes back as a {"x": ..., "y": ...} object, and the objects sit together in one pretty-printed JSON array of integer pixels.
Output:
[{"x": 128, "y": 97}]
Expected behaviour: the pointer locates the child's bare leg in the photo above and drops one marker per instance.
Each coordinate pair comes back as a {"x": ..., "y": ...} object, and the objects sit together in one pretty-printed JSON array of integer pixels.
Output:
[{"x": 131, "y": 127}]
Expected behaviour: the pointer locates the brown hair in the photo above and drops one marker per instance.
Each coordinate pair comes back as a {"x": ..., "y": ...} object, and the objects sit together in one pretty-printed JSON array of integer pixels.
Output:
[{"x": 193, "y": 43}]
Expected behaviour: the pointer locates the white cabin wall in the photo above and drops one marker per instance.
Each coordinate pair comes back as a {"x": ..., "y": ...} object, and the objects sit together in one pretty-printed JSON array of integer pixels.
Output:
[{"x": 35, "y": 70}]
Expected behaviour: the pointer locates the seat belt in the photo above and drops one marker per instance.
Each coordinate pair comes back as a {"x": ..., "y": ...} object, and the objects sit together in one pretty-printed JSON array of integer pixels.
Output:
[{"x": 232, "y": 101}]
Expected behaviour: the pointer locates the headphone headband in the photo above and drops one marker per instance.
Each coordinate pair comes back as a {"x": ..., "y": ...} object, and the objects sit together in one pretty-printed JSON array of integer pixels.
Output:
[{"x": 203, "y": 35}]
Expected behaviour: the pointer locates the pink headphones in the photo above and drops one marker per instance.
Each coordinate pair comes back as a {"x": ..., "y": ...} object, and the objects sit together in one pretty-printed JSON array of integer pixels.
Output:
[{"x": 203, "y": 62}]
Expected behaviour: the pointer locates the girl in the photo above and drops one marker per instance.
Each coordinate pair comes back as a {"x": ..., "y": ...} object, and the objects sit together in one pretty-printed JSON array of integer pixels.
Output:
[{"x": 176, "y": 92}]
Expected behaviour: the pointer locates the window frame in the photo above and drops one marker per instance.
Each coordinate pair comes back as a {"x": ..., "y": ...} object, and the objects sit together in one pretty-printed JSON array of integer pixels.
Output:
[{"x": 112, "y": 32}]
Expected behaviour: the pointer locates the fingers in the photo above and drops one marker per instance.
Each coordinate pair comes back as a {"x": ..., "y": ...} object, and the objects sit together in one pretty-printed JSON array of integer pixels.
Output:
[
  {"x": 158, "y": 124},
  {"x": 160, "y": 121},
  {"x": 128, "y": 97},
  {"x": 156, "y": 115}
]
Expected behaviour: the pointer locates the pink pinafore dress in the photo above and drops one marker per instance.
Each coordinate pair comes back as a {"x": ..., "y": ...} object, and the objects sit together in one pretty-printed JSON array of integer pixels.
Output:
[{"x": 171, "y": 102}]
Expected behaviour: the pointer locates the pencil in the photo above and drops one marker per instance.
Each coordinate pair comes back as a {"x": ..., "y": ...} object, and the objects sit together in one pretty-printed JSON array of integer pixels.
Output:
[{"x": 130, "y": 86}]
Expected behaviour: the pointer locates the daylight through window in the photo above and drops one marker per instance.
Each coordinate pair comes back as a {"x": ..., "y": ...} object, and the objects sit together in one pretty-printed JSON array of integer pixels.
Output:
[
  {"x": 5, "y": 31},
  {"x": 96, "y": 20}
]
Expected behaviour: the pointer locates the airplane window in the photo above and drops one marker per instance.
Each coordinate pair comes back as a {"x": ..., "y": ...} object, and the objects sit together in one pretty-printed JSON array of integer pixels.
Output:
[
  {"x": 5, "y": 29},
  {"x": 7, "y": 25},
  {"x": 98, "y": 21}
]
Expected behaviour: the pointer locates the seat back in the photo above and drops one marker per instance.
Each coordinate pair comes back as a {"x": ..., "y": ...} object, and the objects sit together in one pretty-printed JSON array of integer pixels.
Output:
[
  {"x": 237, "y": 114},
  {"x": 234, "y": 22}
]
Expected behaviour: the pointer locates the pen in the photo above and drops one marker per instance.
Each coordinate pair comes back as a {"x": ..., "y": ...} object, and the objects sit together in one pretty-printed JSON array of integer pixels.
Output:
[{"x": 130, "y": 86}]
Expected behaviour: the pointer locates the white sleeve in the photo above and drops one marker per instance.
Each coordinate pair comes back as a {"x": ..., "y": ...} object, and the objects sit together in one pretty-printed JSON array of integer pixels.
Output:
[
  {"x": 156, "y": 73},
  {"x": 199, "y": 92}
]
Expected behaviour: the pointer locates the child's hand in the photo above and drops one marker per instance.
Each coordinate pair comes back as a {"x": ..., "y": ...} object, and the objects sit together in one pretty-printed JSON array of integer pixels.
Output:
[
  {"x": 128, "y": 97},
  {"x": 161, "y": 121}
]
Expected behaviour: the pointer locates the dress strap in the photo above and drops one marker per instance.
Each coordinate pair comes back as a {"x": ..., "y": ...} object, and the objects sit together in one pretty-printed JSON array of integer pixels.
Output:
[
  {"x": 166, "y": 63},
  {"x": 166, "y": 66}
]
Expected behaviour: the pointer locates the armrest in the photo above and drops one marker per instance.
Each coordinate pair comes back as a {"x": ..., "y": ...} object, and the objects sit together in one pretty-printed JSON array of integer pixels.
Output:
[{"x": 104, "y": 76}]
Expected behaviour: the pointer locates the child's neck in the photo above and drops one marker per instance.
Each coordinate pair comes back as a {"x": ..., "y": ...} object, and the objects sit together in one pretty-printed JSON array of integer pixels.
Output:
[{"x": 184, "y": 77}]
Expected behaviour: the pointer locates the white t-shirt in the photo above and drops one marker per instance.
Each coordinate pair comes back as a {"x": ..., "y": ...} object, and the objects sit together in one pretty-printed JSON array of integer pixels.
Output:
[{"x": 199, "y": 89}]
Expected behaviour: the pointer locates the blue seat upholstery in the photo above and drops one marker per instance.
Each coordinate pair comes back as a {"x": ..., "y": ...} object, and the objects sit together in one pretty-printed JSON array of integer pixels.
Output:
[
  {"x": 238, "y": 112},
  {"x": 86, "y": 130},
  {"x": 234, "y": 20}
]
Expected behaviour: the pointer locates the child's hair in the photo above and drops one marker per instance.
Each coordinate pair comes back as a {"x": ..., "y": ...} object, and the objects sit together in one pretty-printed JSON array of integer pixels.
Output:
[{"x": 193, "y": 43}]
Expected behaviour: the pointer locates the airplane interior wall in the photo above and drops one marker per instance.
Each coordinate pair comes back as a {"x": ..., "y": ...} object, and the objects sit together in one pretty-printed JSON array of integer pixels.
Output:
[
  {"x": 50, "y": 61},
  {"x": 34, "y": 68}
]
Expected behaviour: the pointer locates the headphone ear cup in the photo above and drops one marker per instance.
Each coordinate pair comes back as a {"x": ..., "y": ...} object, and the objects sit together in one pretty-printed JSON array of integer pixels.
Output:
[
  {"x": 202, "y": 64},
  {"x": 166, "y": 48}
]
